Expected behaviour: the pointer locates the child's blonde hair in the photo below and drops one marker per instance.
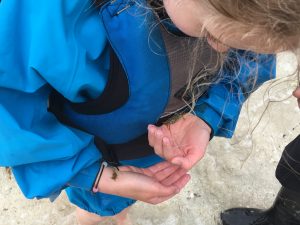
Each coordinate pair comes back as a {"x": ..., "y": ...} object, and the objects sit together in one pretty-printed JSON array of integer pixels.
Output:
[{"x": 280, "y": 19}]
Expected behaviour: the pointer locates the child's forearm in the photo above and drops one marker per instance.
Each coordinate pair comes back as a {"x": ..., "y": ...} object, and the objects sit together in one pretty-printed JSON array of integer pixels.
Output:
[
  {"x": 107, "y": 184},
  {"x": 153, "y": 185}
]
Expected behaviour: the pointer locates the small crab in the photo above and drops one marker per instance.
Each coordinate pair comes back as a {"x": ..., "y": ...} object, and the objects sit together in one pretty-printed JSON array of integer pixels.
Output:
[{"x": 114, "y": 175}]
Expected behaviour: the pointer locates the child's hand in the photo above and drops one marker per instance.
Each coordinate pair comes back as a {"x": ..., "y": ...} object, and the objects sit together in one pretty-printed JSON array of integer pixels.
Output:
[
  {"x": 153, "y": 185},
  {"x": 182, "y": 143},
  {"x": 296, "y": 93}
]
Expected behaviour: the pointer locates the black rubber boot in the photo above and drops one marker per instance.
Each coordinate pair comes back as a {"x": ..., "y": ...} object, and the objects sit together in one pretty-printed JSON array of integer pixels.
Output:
[{"x": 285, "y": 211}]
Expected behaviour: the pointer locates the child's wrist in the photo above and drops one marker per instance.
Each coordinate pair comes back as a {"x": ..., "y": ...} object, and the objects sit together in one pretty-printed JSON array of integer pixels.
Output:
[{"x": 107, "y": 183}]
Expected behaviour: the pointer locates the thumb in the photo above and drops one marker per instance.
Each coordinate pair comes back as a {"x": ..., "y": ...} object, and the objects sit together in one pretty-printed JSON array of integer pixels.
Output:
[
  {"x": 189, "y": 160},
  {"x": 165, "y": 191},
  {"x": 182, "y": 162}
]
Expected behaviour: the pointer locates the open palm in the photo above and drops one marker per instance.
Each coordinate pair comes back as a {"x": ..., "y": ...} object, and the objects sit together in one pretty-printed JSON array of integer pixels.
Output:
[
  {"x": 183, "y": 142},
  {"x": 154, "y": 184}
]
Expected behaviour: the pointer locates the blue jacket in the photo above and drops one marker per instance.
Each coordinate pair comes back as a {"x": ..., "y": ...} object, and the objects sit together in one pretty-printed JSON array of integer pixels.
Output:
[{"x": 61, "y": 44}]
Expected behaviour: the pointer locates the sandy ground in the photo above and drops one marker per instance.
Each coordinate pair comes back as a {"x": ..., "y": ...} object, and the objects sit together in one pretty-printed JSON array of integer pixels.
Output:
[{"x": 236, "y": 172}]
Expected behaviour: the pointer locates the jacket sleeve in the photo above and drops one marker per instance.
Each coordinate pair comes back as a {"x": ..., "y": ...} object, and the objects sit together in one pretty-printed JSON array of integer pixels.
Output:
[
  {"x": 41, "y": 45},
  {"x": 45, "y": 155},
  {"x": 242, "y": 73}
]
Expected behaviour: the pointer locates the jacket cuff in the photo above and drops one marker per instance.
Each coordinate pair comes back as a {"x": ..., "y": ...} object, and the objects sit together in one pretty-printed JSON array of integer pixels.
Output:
[
  {"x": 86, "y": 177},
  {"x": 213, "y": 119}
]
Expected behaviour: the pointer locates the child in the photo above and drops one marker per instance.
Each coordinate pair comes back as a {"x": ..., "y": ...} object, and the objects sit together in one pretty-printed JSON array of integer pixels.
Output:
[
  {"x": 262, "y": 26},
  {"x": 80, "y": 81}
]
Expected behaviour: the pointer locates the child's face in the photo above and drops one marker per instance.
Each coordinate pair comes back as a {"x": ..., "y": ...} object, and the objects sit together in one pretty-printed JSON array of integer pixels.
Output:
[{"x": 195, "y": 18}]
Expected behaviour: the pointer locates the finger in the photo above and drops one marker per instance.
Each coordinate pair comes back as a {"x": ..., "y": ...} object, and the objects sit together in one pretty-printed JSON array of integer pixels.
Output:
[
  {"x": 157, "y": 143},
  {"x": 154, "y": 138},
  {"x": 186, "y": 162},
  {"x": 165, "y": 193},
  {"x": 174, "y": 177},
  {"x": 178, "y": 180},
  {"x": 164, "y": 146},
  {"x": 177, "y": 187},
  {"x": 177, "y": 161},
  {"x": 183, "y": 162},
  {"x": 157, "y": 200},
  {"x": 158, "y": 167},
  {"x": 180, "y": 183},
  {"x": 165, "y": 173},
  {"x": 192, "y": 156},
  {"x": 151, "y": 134}
]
